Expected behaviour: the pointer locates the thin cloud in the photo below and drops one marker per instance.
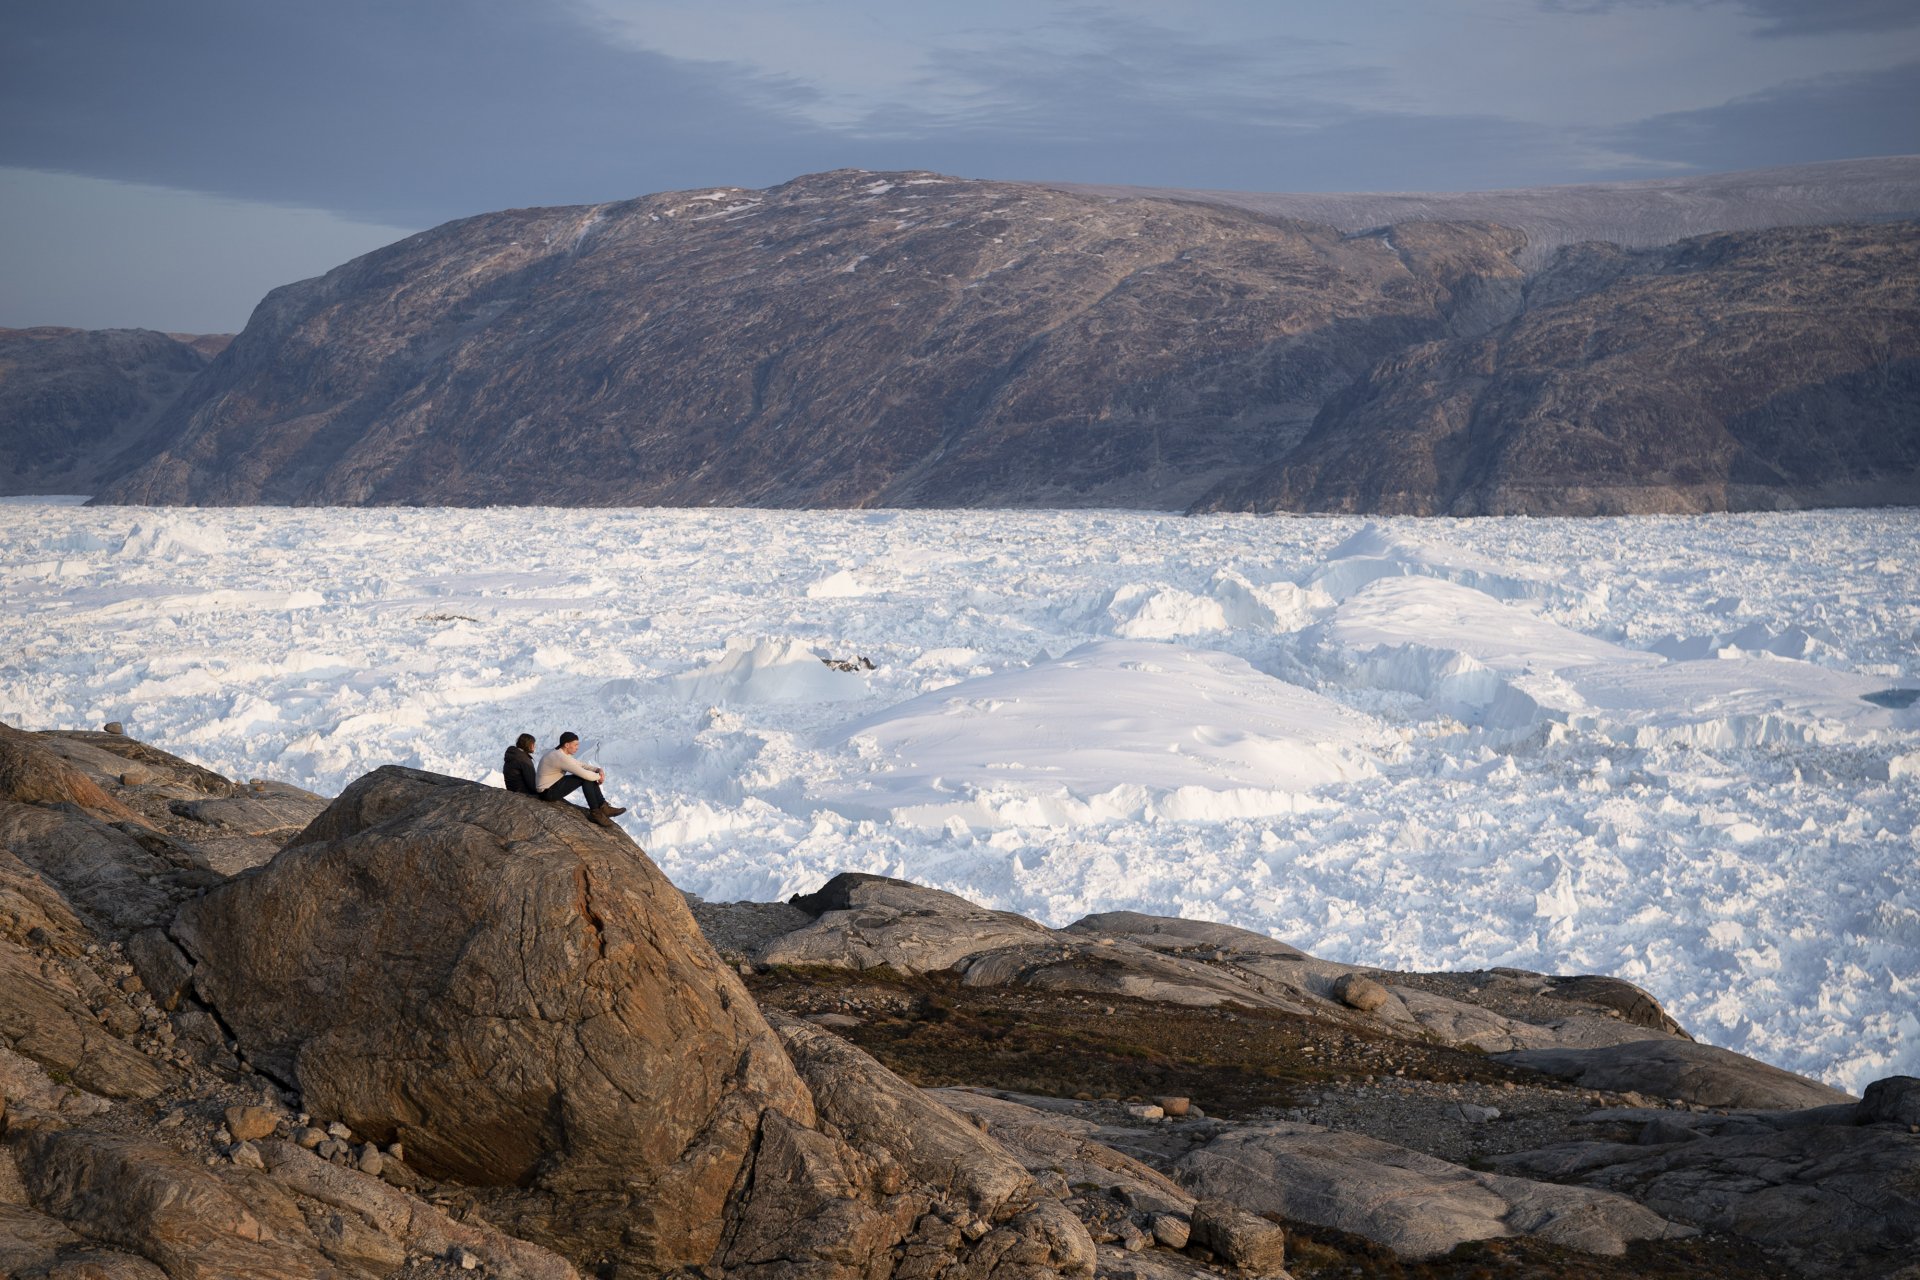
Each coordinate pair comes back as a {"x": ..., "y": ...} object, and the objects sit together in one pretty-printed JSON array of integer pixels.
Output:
[{"x": 1835, "y": 117}]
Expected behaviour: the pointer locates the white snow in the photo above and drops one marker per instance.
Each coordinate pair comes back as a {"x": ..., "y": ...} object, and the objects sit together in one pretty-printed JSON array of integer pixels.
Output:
[
  {"x": 1111, "y": 729},
  {"x": 1672, "y": 749},
  {"x": 768, "y": 671}
]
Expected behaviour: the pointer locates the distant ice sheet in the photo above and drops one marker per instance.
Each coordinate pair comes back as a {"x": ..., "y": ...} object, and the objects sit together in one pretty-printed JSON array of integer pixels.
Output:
[{"x": 1681, "y": 750}]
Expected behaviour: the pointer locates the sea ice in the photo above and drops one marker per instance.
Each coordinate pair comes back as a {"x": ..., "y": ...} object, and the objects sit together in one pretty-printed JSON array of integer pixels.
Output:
[{"x": 1677, "y": 749}]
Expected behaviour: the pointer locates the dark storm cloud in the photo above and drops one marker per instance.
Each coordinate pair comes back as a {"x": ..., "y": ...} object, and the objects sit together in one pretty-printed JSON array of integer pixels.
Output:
[
  {"x": 1140, "y": 103},
  {"x": 1817, "y": 17},
  {"x": 1831, "y": 118},
  {"x": 1783, "y": 17},
  {"x": 405, "y": 113},
  {"x": 410, "y": 114}
]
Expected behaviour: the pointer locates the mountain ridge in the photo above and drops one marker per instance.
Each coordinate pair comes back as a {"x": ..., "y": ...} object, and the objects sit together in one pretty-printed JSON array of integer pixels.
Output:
[
  {"x": 73, "y": 399},
  {"x": 909, "y": 339}
]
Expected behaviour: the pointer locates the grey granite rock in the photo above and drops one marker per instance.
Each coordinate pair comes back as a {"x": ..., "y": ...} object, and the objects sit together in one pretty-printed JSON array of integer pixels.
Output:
[
  {"x": 863, "y": 921},
  {"x": 1697, "y": 1073},
  {"x": 1416, "y": 1205},
  {"x": 1838, "y": 1192}
]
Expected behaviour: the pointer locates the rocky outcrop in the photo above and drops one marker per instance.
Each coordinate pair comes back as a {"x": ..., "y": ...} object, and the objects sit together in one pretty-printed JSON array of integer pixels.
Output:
[
  {"x": 447, "y": 1028},
  {"x": 862, "y": 921},
  {"x": 1696, "y": 1073},
  {"x": 1835, "y": 1189},
  {"x": 73, "y": 400},
  {"x": 146, "y": 1198},
  {"x": 32, "y": 773},
  {"x": 1414, "y": 1204},
  {"x": 1761, "y": 369},
  {"x": 866, "y": 921}
]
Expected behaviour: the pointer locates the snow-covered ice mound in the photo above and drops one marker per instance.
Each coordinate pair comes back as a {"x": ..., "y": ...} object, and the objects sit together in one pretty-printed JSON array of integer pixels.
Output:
[
  {"x": 1139, "y": 611},
  {"x": 1738, "y": 702},
  {"x": 1374, "y": 553},
  {"x": 1754, "y": 638},
  {"x": 1466, "y": 655},
  {"x": 769, "y": 671},
  {"x": 1439, "y": 614},
  {"x": 1112, "y": 729}
]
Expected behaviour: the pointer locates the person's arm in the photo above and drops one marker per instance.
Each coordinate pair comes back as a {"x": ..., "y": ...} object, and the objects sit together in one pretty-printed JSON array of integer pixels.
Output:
[{"x": 573, "y": 766}]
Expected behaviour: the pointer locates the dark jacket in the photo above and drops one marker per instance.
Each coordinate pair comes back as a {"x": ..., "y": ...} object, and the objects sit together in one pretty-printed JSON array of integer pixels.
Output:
[{"x": 518, "y": 768}]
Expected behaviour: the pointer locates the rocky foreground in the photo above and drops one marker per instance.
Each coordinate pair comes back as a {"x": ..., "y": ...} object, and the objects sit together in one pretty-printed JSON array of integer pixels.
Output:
[{"x": 431, "y": 1028}]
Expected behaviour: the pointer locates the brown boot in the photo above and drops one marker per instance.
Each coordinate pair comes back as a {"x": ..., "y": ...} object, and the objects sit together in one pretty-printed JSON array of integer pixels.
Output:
[
  {"x": 612, "y": 810},
  {"x": 600, "y": 815}
]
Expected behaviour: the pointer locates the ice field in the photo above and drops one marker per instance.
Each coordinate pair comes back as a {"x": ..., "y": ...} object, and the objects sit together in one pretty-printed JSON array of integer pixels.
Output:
[{"x": 1684, "y": 751}]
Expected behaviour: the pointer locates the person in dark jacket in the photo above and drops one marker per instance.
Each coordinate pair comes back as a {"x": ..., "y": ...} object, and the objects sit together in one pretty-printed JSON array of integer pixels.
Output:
[{"x": 518, "y": 766}]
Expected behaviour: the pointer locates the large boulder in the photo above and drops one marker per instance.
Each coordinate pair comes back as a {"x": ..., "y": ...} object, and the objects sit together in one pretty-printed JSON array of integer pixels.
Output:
[
  {"x": 1894, "y": 1100},
  {"x": 524, "y": 1001},
  {"x": 518, "y": 996}
]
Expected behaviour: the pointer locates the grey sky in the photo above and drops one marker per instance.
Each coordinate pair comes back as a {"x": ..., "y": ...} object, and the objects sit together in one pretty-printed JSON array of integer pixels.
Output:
[{"x": 165, "y": 164}]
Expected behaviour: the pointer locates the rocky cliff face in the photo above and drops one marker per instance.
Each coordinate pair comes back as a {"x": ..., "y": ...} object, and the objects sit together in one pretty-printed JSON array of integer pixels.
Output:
[
  {"x": 859, "y": 339},
  {"x": 845, "y": 339},
  {"x": 72, "y": 400},
  {"x": 1740, "y": 371}
]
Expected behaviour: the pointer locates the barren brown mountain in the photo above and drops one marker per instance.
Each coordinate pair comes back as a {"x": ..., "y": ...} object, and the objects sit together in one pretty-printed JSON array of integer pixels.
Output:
[
  {"x": 73, "y": 399},
  {"x": 845, "y": 339},
  {"x": 1740, "y": 371},
  {"x": 858, "y": 339}
]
